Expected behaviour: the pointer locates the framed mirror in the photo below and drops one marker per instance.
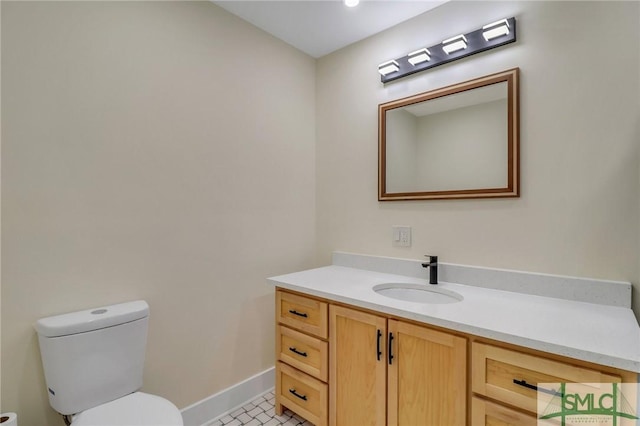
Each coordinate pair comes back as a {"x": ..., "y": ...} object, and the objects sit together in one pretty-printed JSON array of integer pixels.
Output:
[{"x": 459, "y": 141}]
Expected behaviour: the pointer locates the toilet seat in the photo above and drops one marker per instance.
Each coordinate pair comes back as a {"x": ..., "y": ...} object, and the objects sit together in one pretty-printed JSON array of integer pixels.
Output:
[{"x": 136, "y": 409}]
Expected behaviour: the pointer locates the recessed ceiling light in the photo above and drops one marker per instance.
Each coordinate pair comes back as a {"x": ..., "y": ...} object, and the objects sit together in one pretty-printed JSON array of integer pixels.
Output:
[{"x": 351, "y": 3}]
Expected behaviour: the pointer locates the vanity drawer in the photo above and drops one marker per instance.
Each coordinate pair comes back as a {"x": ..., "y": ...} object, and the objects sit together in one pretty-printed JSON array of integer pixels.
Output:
[
  {"x": 303, "y": 352},
  {"x": 302, "y": 394},
  {"x": 487, "y": 413},
  {"x": 303, "y": 313},
  {"x": 511, "y": 377}
]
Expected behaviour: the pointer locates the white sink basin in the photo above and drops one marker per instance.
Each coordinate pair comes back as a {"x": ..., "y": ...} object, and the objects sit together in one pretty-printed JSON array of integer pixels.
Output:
[{"x": 418, "y": 293}]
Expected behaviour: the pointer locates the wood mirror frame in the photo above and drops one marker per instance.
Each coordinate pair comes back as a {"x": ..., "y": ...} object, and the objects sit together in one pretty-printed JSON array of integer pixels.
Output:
[{"x": 511, "y": 186}]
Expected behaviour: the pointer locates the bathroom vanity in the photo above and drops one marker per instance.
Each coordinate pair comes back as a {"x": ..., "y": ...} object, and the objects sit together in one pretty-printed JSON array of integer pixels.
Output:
[{"x": 347, "y": 354}]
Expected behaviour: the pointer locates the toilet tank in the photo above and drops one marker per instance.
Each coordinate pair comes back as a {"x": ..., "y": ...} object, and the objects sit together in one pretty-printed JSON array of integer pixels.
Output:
[{"x": 94, "y": 356}]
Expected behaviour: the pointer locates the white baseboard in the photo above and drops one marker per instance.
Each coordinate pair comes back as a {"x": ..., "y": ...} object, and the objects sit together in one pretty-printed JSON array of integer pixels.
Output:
[{"x": 202, "y": 412}]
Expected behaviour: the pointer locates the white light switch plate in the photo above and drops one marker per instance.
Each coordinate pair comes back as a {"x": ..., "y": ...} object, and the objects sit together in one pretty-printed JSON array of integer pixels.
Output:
[{"x": 401, "y": 236}]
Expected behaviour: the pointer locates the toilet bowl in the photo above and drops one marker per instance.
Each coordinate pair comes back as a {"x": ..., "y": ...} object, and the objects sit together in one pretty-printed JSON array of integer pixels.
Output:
[
  {"x": 138, "y": 408},
  {"x": 93, "y": 362}
]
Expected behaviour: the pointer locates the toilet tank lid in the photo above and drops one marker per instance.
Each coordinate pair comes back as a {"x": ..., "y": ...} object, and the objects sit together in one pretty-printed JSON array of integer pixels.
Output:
[{"x": 92, "y": 319}]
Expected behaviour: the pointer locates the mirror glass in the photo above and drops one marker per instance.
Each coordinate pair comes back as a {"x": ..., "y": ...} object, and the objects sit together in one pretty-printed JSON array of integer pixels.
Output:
[{"x": 460, "y": 141}]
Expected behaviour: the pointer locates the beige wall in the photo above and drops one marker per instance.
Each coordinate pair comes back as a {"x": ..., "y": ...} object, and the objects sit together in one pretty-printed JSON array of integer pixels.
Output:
[
  {"x": 477, "y": 150},
  {"x": 1, "y": 410},
  {"x": 159, "y": 151},
  {"x": 578, "y": 213}
]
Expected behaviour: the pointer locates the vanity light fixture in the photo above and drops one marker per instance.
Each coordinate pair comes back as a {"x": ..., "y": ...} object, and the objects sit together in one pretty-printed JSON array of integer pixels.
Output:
[
  {"x": 419, "y": 56},
  {"x": 495, "y": 29},
  {"x": 492, "y": 35},
  {"x": 454, "y": 44},
  {"x": 351, "y": 3},
  {"x": 388, "y": 68}
]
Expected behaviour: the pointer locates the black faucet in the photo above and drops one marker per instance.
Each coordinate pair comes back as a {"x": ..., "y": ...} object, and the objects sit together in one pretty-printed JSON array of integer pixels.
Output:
[{"x": 433, "y": 268}]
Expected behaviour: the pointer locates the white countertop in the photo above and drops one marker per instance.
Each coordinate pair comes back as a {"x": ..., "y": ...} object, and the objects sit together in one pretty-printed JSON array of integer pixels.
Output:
[{"x": 602, "y": 334}]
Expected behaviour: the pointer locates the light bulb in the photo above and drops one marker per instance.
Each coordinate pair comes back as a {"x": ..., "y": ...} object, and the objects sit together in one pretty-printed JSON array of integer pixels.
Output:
[
  {"x": 419, "y": 56},
  {"x": 388, "y": 67},
  {"x": 495, "y": 29},
  {"x": 454, "y": 44},
  {"x": 351, "y": 3}
]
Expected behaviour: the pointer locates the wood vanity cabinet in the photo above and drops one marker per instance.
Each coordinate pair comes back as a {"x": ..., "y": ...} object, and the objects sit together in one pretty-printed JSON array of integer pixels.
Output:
[
  {"x": 504, "y": 382},
  {"x": 343, "y": 366},
  {"x": 302, "y": 354},
  {"x": 385, "y": 371},
  {"x": 381, "y": 371}
]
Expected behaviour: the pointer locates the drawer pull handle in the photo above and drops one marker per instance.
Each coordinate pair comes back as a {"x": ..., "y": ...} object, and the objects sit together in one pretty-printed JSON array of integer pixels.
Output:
[
  {"x": 524, "y": 383},
  {"x": 295, "y": 351},
  {"x": 379, "y": 354},
  {"x": 303, "y": 397},
  {"x": 390, "y": 347},
  {"x": 300, "y": 314}
]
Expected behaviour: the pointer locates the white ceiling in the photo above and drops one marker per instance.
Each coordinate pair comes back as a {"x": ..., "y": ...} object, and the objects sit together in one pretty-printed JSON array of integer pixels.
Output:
[{"x": 319, "y": 27}]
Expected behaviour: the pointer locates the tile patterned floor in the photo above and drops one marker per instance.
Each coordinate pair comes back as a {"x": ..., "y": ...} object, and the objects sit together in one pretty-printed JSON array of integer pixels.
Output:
[{"x": 259, "y": 412}]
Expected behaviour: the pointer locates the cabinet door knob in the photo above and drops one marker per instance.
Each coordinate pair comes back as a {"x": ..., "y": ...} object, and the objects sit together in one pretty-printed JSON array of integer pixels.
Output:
[
  {"x": 378, "y": 348},
  {"x": 390, "y": 347}
]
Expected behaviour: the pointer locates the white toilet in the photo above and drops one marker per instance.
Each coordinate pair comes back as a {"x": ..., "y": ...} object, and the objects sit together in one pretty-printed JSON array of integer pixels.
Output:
[{"x": 93, "y": 362}]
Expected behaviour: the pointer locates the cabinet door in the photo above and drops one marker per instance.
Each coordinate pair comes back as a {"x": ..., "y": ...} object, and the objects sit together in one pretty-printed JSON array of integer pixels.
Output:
[
  {"x": 512, "y": 377},
  {"x": 357, "y": 368},
  {"x": 427, "y": 377},
  {"x": 486, "y": 413},
  {"x": 302, "y": 313}
]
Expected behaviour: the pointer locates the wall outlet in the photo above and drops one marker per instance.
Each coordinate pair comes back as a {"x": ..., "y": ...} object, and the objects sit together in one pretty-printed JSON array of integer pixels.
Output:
[{"x": 401, "y": 236}]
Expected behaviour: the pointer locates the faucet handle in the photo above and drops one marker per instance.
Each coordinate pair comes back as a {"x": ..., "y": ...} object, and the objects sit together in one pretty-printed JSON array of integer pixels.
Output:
[{"x": 432, "y": 259}]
